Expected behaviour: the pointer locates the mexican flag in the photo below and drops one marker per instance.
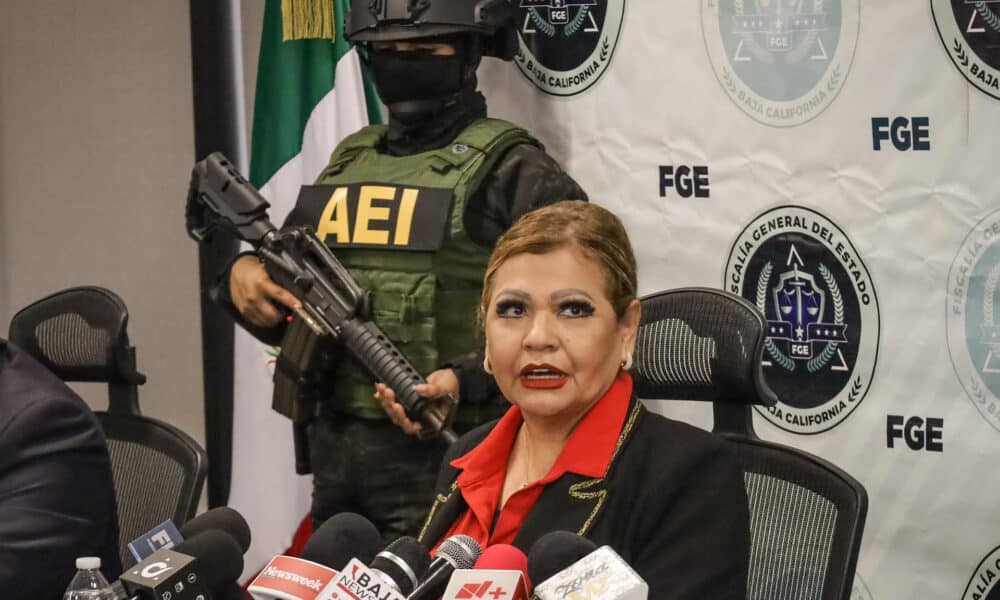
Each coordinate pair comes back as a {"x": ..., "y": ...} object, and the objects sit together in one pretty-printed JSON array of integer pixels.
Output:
[{"x": 311, "y": 93}]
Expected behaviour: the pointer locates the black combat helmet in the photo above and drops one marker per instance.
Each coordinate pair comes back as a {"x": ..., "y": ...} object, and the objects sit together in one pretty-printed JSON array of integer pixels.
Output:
[{"x": 392, "y": 20}]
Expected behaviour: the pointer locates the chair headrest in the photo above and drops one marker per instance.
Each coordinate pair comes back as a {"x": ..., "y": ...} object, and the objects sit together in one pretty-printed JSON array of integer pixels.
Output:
[
  {"x": 79, "y": 334},
  {"x": 700, "y": 344}
]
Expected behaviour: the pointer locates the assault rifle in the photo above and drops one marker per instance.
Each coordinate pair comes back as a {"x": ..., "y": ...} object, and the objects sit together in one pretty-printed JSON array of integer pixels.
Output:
[{"x": 297, "y": 260}]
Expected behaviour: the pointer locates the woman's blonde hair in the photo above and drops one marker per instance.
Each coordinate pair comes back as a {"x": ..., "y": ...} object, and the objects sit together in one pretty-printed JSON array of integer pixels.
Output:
[{"x": 592, "y": 228}]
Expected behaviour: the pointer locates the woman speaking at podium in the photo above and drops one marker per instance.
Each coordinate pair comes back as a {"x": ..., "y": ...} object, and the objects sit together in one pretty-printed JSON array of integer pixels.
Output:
[{"x": 577, "y": 451}]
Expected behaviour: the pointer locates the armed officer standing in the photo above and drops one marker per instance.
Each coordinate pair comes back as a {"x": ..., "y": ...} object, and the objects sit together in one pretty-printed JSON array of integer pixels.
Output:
[{"x": 412, "y": 209}]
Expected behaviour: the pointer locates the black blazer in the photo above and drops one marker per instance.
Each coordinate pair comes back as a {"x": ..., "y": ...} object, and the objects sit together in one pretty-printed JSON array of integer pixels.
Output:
[
  {"x": 672, "y": 503},
  {"x": 57, "y": 497}
]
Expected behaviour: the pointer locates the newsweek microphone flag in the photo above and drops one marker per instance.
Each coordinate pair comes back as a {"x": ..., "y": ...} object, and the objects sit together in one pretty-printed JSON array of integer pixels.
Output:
[{"x": 311, "y": 93}]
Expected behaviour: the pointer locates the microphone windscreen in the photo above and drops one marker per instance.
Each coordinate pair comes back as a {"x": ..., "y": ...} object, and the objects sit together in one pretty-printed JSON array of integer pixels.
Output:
[
  {"x": 403, "y": 561},
  {"x": 504, "y": 557},
  {"x": 220, "y": 558},
  {"x": 342, "y": 537},
  {"x": 555, "y": 551},
  {"x": 460, "y": 550},
  {"x": 231, "y": 591},
  {"x": 222, "y": 518}
]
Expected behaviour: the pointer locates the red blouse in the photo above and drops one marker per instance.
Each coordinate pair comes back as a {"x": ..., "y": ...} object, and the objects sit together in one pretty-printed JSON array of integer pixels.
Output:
[{"x": 587, "y": 452}]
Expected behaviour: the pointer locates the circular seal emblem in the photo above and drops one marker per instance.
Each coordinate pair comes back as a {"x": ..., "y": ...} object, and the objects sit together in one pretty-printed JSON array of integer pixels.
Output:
[
  {"x": 970, "y": 32},
  {"x": 781, "y": 61},
  {"x": 804, "y": 274},
  {"x": 983, "y": 585},
  {"x": 567, "y": 45},
  {"x": 973, "y": 319}
]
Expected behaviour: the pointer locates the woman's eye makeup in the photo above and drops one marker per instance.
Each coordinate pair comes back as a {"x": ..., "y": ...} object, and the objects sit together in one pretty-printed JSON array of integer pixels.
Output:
[
  {"x": 576, "y": 309},
  {"x": 510, "y": 309}
]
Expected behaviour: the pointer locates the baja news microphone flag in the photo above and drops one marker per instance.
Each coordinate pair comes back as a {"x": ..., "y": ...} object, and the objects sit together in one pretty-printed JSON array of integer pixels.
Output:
[{"x": 311, "y": 93}]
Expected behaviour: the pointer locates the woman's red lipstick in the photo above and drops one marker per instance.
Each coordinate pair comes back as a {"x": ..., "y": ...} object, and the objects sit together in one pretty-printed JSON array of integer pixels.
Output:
[{"x": 542, "y": 377}]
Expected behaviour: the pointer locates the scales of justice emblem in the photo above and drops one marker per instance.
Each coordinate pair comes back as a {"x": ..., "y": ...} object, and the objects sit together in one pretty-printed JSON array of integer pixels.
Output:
[
  {"x": 990, "y": 330},
  {"x": 781, "y": 61},
  {"x": 788, "y": 27},
  {"x": 799, "y": 306},
  {"x": 566, "y": 46}
]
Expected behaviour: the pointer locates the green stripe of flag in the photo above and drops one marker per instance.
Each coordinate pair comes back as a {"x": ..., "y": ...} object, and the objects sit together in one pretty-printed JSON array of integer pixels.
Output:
[{"x": 292, "y": 77}]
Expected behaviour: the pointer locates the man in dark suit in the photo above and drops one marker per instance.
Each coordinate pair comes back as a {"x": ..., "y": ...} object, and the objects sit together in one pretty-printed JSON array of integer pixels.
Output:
[{"x": 57, "y": 496}]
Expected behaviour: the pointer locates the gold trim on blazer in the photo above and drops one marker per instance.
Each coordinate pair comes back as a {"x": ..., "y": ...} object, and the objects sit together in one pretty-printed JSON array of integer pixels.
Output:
[{"x": 576, "y": 490}]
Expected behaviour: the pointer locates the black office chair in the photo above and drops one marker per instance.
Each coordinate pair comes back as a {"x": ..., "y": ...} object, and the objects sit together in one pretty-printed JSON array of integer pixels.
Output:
[
  {"x": 80, "y": 335},
  {"x": 806, "y": 515}
]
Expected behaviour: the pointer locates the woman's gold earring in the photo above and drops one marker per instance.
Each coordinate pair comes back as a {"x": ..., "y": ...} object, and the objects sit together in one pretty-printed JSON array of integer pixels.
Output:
[
  {"x": 627, "y": 363},
  {"x": 486, "y": 365}
]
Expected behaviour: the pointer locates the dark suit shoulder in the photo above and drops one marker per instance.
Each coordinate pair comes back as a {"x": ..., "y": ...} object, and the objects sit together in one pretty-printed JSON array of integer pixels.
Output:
[
  {"x": 56, "y": 487},
  {"x": 668, "y": 476},
  {"x": 665, "y": 444},
  {"x": 35, "y": 400}
]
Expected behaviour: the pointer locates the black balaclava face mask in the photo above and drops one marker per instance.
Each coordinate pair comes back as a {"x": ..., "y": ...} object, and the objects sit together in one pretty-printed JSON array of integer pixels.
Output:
[
  {"x": 430, "y": 97},
  {"x": 403, "y": 76}
]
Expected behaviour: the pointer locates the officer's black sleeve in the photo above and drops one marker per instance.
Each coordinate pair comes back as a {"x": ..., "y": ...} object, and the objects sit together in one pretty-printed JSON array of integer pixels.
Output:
[
  {"x": 219, "y": 293},
  {"x": 525, "y": 178}
]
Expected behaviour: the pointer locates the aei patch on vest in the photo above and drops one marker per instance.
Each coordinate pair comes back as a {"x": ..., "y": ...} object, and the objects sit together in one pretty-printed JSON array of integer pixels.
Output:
[{"x": 375, "y": 216}]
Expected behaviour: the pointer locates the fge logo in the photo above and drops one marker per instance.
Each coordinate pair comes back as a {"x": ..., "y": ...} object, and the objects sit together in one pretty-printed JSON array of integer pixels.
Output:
[
  {"x": 566, "y": 45},
  {"x": 686, "y": 180},
  {"x": 782, "y": 62},
  {"x": 919, "y": 433},
  {"x": 970, "y": 32},
  {"x": 905, "y": 134}
]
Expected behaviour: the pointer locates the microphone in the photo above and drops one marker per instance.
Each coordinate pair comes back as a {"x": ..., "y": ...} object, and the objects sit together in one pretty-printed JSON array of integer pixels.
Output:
[
  {"x": 327, "y": 551},
  {"x": 499, "y": 573},
  {"x": 223, "y": 519},
  {"x": 204, "y": 563},
  {"x": 600, "y": 575},
  {"x": 290, "y": 578},
  {"x": 232, "y": 591},
  {"x": 555, "y": 551},
  {"x": 456, "y": 552},
  {"x": 340, "y": 538},
  {"x": 401, "y": 564},
  {"x": 392, "y": 571}
]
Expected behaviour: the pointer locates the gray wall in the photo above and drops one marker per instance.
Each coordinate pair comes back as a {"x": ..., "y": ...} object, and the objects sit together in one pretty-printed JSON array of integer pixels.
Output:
[{"x": 96, "y": 148}]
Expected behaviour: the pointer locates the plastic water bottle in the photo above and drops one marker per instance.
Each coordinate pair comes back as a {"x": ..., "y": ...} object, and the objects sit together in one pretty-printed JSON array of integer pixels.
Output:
[{"x": 88, "y": 583}]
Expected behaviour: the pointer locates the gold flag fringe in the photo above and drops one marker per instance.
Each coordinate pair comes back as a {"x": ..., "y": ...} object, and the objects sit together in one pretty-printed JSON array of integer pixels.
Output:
[{"x": 307, "y": 19}]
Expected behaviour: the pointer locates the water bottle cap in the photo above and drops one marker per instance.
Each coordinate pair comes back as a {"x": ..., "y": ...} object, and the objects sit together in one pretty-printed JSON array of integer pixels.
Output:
[{"x": 88, "y": 562}]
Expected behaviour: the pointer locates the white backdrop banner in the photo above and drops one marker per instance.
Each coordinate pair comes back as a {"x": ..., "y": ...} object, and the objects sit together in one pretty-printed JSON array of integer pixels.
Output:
[{"x": 844, "y": 147}]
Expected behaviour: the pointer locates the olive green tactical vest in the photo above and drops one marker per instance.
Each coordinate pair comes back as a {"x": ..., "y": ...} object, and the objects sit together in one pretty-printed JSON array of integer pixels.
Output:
[{"x": 425, "y": 302}]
